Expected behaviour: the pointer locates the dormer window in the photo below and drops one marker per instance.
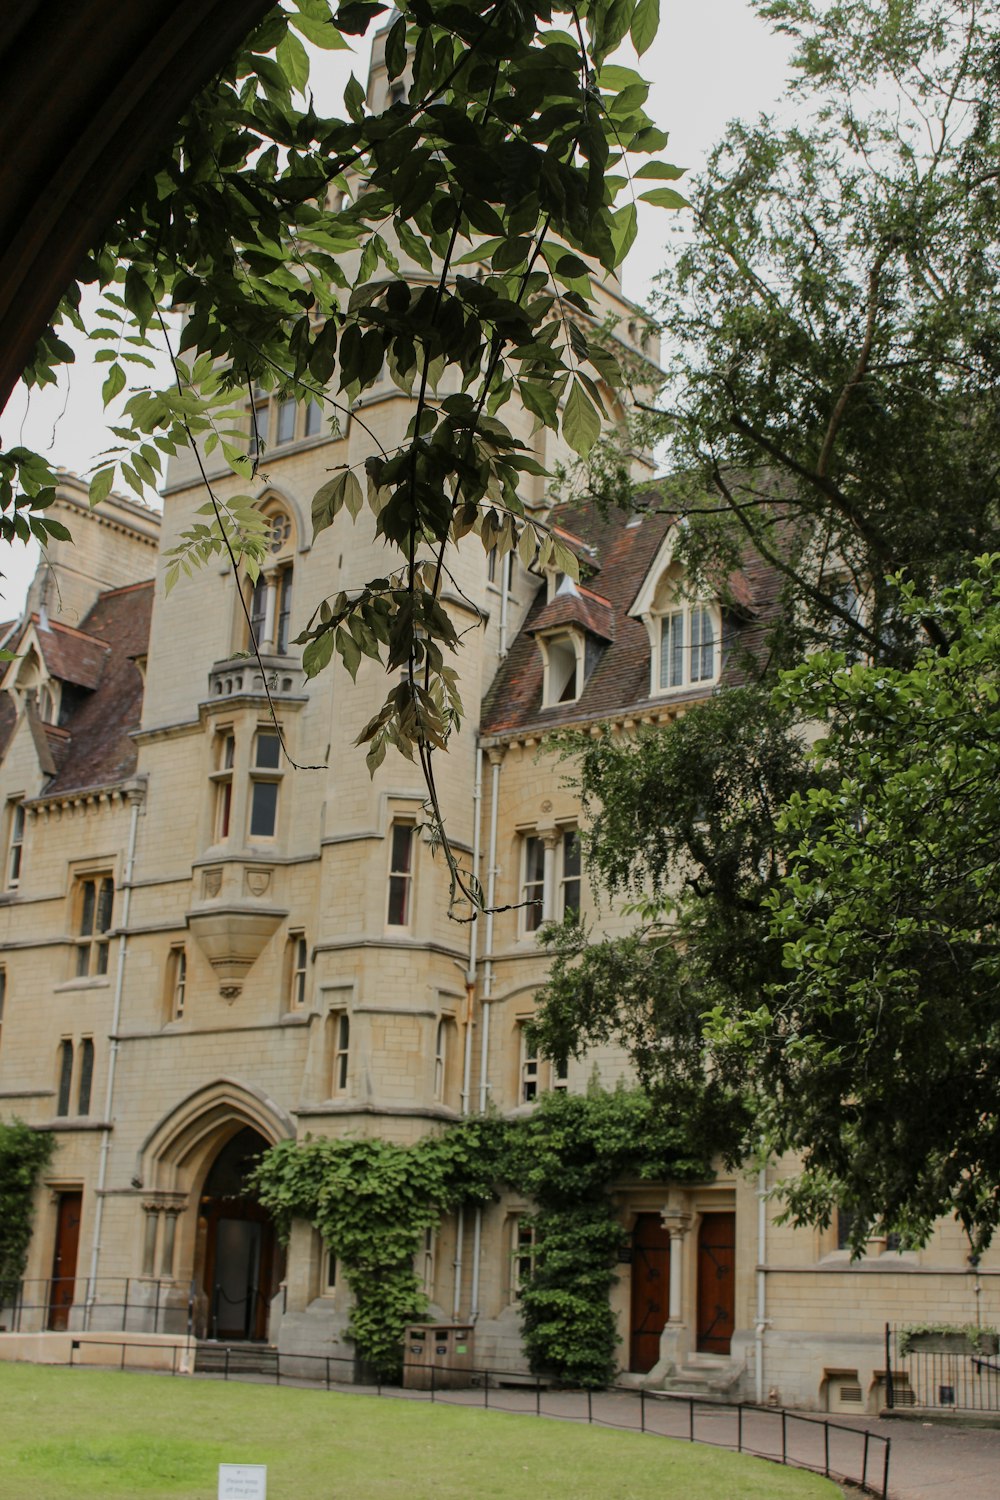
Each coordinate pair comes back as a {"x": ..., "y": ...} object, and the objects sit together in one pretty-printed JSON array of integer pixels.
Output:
[
  {"x": 688, "y": 647},
  {"x": 563, "y": 656},
  {"x": 685, "y": 632}
]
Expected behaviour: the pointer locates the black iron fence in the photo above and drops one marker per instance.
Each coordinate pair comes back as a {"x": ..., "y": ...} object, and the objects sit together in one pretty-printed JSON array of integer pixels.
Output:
[
  {"x": 113, "y": 1304},
  {"x": 851, "y": 1455},
  {"x": 942, "y": 1371}
]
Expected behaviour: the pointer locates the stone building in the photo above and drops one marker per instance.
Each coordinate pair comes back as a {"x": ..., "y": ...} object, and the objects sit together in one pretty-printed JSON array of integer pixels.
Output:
[{"x": 208, "y": 947}]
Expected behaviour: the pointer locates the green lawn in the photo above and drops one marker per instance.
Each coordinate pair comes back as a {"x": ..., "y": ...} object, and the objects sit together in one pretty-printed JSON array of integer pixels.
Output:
[{"x": 99, "y": 1435}]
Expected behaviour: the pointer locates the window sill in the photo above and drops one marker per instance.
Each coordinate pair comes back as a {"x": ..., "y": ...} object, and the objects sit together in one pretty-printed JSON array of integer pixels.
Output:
[{"x": 97, "y": 982}]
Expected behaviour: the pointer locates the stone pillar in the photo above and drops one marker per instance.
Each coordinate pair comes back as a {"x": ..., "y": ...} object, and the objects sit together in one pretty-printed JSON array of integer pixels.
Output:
[
  {"x": 675, "y": 1341},
  {"x": 270, "y": 610},
  {"x": 550, "y": 839}
]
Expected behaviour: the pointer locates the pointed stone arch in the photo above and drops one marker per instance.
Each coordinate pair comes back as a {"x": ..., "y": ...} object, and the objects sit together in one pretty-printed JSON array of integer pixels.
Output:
[{"x": 178, "y": 1151}]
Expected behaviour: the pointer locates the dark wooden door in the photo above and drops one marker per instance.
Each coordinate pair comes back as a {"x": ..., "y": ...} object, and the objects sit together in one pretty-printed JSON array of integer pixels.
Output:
[
  {"x": 716, "y": 1282},
  {"x": 63, "y": 1284},
  {"x": 650, "y": 1291},
  {"x": 241, "y": 1269}
]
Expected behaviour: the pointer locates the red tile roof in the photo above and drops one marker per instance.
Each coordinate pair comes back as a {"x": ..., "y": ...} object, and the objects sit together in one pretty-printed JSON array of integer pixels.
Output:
[
  {"x": 71, "y": 655},
  {"x": 578, "y": 607},
  {"x": 625, "y": 548},
  {"x": 100, "y": 749}
]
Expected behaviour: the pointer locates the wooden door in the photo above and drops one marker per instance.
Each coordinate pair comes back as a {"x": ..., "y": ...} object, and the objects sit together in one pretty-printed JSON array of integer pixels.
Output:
[
  {"x": 63, "y": 1285},
  {"x": 650, "y": 1291},
  {"x": 716, "y": 1283}
]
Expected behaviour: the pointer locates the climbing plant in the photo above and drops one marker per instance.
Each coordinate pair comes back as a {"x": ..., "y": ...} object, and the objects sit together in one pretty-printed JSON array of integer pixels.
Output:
[
  {"x": 565, "y": 1157},
  {"x": 23, "y": 1154},
  {"x": 372, "y": 1201}
]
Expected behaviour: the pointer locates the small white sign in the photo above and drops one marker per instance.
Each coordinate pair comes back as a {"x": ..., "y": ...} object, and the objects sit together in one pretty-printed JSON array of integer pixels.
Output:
[{"x": 243, "y": 1482}]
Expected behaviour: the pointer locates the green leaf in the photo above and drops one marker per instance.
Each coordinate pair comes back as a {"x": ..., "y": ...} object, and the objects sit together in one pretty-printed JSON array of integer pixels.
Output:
[
  {"x": 395, "y": 48},
  {"x": 664, "y": 198},
  {"x": 354, "y": 100},
  {"x": 659, "y": 169},
  {"x": 100, "y": 485},
  {"x": 293, "y": 61},
  {"x": 581, "y": 424},
  {"x": 114, "y": 384},
  {"x": 645, "y": 23}
]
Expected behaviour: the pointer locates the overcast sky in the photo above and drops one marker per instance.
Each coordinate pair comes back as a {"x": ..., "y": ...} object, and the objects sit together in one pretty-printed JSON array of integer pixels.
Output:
[{"x": 713, "y": 60}]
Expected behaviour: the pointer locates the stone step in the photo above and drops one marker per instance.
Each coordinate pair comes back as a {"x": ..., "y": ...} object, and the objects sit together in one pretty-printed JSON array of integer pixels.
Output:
[{"x": 211, "y": 1358}]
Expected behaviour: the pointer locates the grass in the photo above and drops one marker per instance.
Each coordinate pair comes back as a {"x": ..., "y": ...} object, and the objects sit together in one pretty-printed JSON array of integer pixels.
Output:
[{"x": 101, "y": 1435}]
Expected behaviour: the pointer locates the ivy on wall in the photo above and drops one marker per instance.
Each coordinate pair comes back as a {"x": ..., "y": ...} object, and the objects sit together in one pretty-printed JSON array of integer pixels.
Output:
[
  {"x": 24, "y": 1153},
  {"x": 372, "y": 1202}
]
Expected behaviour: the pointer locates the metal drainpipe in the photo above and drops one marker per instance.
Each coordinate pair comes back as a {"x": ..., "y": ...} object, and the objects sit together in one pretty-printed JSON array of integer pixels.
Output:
[
  {"x": 470, "y": 991},
  {"x": 761, "y": 1284},
  {"x": 136, "y": 796},
  {"x": 491, "y": 883}
]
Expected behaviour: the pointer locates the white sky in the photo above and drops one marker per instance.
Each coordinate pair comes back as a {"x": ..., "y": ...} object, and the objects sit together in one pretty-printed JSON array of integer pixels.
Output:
[{"x": 712, "y": 61}]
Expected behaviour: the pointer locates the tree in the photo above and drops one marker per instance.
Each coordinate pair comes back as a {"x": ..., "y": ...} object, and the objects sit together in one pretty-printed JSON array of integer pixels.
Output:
[
  {"x": 833, "y": 408},
  {"x": 877, "y": 1052},
  {"x": 836, "y": 317},
  {"x": 280, "y": 234}
]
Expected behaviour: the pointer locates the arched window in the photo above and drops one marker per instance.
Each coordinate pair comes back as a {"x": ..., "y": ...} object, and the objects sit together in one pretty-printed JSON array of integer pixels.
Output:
[
  {"x": 685, "y": 636},
  {"x": 270, "y": 599}
]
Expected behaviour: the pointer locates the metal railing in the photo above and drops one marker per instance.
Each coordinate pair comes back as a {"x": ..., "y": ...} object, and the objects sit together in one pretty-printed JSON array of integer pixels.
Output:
[
  {"x": 940, "y": 1378},
  {"x": 145, "y": 1304},
  {"x": 851, "y": 1455}
]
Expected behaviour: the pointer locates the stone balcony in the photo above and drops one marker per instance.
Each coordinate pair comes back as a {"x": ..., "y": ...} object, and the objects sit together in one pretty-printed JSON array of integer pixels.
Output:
[{"x": 241, "y": 677}]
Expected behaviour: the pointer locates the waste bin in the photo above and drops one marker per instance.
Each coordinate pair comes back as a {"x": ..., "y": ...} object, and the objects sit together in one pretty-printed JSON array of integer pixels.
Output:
[{"x": 437, "y": 1356}]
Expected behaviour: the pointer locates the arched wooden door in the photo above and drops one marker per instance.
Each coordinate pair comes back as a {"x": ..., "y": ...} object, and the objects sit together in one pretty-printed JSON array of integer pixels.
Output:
[
  {"x": 650, "y": 1291},
  {"x": 242, "y": 1260},
  {"x": 716, "y": 1283}
]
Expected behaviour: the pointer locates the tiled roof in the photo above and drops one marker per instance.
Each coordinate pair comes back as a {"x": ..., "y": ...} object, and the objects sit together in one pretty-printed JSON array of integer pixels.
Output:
[
  {"x": 70, "y": 655},
  {"x": 578, "y": 607},
  {"x": 95, "y": 747},
  {"x": 625, "y": 547}
]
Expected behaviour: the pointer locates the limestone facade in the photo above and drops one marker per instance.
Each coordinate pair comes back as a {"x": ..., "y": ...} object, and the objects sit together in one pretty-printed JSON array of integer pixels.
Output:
[{"x": 209, "y": 946}]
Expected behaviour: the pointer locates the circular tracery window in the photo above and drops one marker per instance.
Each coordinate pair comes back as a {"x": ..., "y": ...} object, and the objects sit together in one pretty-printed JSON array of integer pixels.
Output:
[{"x": 280, "y": 531}]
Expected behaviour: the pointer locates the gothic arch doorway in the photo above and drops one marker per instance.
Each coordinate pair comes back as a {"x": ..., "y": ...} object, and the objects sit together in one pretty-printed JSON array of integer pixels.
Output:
[{"x": 240, "y": 1259}]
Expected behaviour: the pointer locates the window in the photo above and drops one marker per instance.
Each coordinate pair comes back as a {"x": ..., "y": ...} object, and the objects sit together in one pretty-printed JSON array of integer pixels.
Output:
[
  {"x": 529, "y": 1069},
  {"x": 95, "y": 899},
  {"x": 314, "y": 418},
  {"x": 522, "y": 1254},
  {"x": 342, "y": 1033},
  {"x": 428, "y": 1259},
  {"x": 284, "y": 427},
  {"x": 533, "y": 883},
  {"x": 278, "y": 421},
  {"x": 176, "y": 983},
  {"x": 15, "y": 841},
  {"x": 222, "y": 777},
  {"x": 571, "y": 867},
  {"x": 440, "y": 1058},
  {"x": 3, "y": 998},
  {"x": 329, "y": 1271},
  {"x": 556, "y": 893},
  {"x": 560, "y": 1075},
  {"x": 86, "y": 1076},
  {"x": 298, "y": 962},
  {"x": 687, "y": 647},
  {"x": 65, "y": 1072},
  {"x": 269, "y": 602},
  {"x": 265, "y": 779},
  {"x": 400, "y": 874},
  {"x": 563, "y": 661}
]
